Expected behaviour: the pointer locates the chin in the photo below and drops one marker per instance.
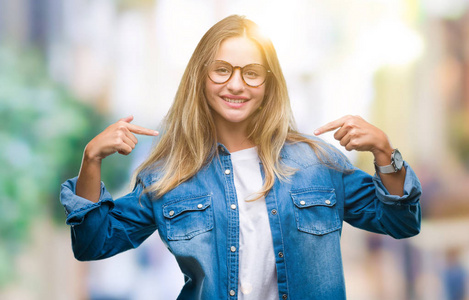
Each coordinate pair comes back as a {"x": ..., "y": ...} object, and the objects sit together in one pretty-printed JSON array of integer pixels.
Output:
[{"x": 236, "y": 119}]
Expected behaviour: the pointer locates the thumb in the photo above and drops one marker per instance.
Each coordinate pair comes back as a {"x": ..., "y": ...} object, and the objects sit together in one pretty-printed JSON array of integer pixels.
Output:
[{"x": 127, "y": 119}]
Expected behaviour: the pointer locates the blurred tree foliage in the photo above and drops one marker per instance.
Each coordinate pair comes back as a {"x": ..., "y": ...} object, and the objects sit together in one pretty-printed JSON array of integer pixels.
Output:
[{"x": 43, "y": 131}]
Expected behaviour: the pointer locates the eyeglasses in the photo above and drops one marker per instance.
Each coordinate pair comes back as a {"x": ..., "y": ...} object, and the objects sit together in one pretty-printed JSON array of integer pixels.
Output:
[{"x": 253, "y": 75}]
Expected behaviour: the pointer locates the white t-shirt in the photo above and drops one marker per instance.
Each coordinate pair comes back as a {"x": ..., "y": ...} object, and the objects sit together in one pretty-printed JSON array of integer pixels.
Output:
[{"x": 257, "y": 271}]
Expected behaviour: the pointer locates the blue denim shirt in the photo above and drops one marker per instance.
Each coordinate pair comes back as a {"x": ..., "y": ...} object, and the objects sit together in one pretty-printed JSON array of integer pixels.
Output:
[{"x": 199, "y": 223}]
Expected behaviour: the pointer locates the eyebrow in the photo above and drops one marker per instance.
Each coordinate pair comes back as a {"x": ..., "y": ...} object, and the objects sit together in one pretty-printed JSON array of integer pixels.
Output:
[{"x": 251, "y": 63}]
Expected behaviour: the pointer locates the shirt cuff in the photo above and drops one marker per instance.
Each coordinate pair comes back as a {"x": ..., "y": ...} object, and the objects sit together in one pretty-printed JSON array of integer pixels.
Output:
[
  {"x": 77, "y": 207},
  {"x": 412, "y": 189}
]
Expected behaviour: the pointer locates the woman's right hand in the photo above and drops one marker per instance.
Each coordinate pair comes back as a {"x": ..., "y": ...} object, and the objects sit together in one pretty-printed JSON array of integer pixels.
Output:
[{"x": 118, "y": 137}]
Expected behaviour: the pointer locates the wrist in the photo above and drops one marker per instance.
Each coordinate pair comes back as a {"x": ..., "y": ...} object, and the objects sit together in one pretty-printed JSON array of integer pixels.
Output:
[
  {"x": 396, "y": 163},
  {"x": 382, "y": 156},
  {"x": 90, "y": 156}
]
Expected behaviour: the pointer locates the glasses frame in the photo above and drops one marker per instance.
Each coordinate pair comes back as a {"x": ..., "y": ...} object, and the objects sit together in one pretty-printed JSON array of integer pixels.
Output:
[{"x": 268, "y": 72}]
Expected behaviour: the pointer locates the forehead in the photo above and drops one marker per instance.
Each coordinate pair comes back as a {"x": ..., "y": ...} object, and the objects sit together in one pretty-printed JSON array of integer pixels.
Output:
[{"x": 239, "y": 51}]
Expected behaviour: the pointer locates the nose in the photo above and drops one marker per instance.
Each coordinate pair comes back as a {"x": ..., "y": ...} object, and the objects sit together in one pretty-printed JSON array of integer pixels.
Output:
[{"x": 236, "y": 83}]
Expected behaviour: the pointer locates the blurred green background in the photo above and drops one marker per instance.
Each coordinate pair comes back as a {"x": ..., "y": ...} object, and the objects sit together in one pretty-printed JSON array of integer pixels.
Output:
[{"x": 45, "y": 129}]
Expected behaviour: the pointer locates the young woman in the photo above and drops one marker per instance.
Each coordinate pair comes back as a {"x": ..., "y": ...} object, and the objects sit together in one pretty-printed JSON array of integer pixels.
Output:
[{"x": 250, "y": 208}]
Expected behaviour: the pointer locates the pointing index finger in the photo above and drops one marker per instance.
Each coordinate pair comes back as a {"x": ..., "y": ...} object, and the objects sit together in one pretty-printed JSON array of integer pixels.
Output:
[
  {"x": 330, "y": 126},
  {"x": 141, "y": 130}
]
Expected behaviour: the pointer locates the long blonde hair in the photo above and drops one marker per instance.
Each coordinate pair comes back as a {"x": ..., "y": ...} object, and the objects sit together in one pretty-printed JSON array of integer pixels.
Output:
[{"x": 189, "y": 139}]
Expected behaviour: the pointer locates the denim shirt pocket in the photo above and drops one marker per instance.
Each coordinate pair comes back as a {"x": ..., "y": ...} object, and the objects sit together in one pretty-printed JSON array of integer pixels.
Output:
[
  {"x": 315, "y": 210},
  {"x": 188, "y": 217}
]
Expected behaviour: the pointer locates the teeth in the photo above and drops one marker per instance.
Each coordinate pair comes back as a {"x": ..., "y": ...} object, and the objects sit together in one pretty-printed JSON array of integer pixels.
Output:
[{"x": 234, "y": 100}]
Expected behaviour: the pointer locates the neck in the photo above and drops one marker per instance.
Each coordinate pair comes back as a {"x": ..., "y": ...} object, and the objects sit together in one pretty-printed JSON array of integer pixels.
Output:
[{"x": 233, "y": 137}]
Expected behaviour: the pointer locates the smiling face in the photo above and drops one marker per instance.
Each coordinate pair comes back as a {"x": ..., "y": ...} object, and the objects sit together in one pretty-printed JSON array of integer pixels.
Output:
[{"x": 234, "y": 102}]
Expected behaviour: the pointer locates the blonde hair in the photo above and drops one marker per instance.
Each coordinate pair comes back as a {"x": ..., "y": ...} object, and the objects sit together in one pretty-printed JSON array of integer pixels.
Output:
[{"x": 189, "y": 140}]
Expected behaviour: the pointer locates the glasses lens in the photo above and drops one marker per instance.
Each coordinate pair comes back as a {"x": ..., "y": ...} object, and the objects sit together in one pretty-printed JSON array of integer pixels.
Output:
[
  {"x": 220, "y": 72},
  {"x": 254, "y": 75}
]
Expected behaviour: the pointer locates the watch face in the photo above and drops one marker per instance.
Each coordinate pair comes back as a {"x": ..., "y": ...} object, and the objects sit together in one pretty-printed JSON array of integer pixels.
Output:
[{"x": 398, "y": 160}]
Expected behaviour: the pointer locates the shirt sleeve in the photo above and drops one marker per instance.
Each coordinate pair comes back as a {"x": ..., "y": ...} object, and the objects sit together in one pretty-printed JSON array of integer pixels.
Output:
[
  {"x": 368, "y": 205},
  {"x": 107, "y": 227},
  {"x": 412, "y": 189}
]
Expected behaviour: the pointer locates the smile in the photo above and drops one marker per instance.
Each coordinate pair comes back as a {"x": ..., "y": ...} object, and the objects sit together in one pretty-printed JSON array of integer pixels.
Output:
[{"x": 234, "y": 100}]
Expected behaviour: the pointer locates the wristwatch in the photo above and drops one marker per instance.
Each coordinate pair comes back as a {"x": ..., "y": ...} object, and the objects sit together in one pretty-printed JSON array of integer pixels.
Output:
[{"x": 396, "y": 164}]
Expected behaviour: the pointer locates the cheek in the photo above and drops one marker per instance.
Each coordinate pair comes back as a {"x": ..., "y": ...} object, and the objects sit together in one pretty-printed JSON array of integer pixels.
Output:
[
  {"x": 260, "y": 94},
  {"x": 211, "y": 90}
]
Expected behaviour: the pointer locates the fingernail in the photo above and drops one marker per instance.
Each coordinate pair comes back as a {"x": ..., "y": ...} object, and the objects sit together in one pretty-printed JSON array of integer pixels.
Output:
[
  {"x": 155, "y": 132},
  {"x": 316, "y": 132}
]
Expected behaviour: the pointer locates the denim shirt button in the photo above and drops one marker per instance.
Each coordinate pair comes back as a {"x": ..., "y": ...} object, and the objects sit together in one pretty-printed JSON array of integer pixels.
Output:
[
  {"x": 274, "y": 211},
  {"x": 233, "y": 249},
  {"x": 280, "y": 254},
  {"x": 227, "y": 171},
  {"x": 232, "y": 293},
  {"x": 171, "y": 213},
  {"x": 284, "y": 296},
  {"x": 303, "y": 203},
  {"x": 328, "y": 202},
  {"x": 200, "y": 206},
  {"x": 233, "y": 206}
]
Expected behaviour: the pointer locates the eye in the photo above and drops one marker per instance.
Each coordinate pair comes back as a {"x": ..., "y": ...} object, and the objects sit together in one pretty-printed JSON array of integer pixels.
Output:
[
  {"x": 251, "y": 74},
  {"x": 222, "y": 70},
  {"x": 253, "y": 71}
]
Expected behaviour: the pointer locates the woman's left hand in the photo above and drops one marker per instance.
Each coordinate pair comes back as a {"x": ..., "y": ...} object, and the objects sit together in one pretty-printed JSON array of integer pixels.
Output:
[{"x": 354, "y": 133}]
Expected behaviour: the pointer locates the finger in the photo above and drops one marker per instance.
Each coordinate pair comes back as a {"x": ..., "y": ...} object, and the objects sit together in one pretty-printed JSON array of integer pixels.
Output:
[
  {"x": 352, "y": 145},
  {"x": 124, "y": 149},
  {"x": 345, "y": 140},
  {"x": 127, "y": 119},
  {"x": 141, "y": 130},
  {"x": 132, "y": 137},
  {"x": 128, "y": 141},
  {"x": 330, "y": 126},
  {"x": 339, "y": 134}
]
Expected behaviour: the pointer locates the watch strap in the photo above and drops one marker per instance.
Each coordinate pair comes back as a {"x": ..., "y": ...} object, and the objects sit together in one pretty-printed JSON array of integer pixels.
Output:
[
  {"x": 393, "y": 167},
  {"x": 385, "y": 169}
]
